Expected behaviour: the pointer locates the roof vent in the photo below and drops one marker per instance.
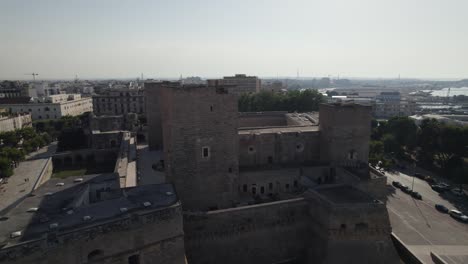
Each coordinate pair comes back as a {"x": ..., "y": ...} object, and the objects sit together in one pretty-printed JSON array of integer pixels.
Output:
[
  {"x": 146, "y": 204},
  {"x": 86, "y": 218},
  {"x": 53, "y": 226},
  {"x": 123, "y": 209},
  {"x": 16, "y": 234}
]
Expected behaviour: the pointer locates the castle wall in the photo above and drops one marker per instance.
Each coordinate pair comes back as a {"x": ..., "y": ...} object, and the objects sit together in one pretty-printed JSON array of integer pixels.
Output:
[
  {"x": 361, "y": 232},
  {"x": 269, "y": 182},
  {"x": 264, "y": 233},
  {"x": 201, "y": 145},
  {"x": 345, "y": 133},
  {"x": 262, "y": 119},
  {"x": 265, "y": 148},
  {"x": 155, "y": 237}
]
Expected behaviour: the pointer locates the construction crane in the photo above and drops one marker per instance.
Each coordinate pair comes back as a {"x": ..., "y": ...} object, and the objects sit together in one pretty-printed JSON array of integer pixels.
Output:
[
  {"x": 33, "y": 75},
  {"x": 447, "y": 97}
]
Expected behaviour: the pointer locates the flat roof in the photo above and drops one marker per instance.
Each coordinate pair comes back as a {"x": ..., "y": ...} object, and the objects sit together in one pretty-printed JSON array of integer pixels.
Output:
[
  {"x": 67, "y": 205},
  {"x": 344, "y": 194},
  {"x": 284, "y": 129}
]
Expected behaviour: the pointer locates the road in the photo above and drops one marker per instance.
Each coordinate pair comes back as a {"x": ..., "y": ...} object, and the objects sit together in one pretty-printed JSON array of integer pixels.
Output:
[
  {"x": 24, "y": 176},
  {"x": 424, "y": 229}
]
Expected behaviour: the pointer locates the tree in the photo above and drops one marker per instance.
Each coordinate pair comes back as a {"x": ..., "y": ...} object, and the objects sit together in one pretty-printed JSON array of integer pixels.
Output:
[
  {"x": 391, "y": 145},
  {"x": 13, "y": 154},
  {"x": 5, "y": 167},
  {"x": 404, "y": 129}
]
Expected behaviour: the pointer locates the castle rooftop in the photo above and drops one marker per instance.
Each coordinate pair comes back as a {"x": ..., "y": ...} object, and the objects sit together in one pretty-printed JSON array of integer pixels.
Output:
[{"x": 64, "y": 205}]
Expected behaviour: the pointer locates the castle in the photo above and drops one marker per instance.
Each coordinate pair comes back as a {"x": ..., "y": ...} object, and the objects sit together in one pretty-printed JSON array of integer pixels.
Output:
[{"x": 271, "y": 187}]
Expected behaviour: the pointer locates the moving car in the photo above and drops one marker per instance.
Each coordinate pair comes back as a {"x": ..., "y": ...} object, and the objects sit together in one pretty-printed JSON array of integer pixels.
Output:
[
  {"x": 458, "y": 215},
  {"x": 396, "y": 184},
  {"x": 442, "y": 208}
]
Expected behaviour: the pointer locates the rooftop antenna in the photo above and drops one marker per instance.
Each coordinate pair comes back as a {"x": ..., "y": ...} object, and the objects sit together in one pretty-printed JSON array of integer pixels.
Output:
[
  {"x": 297, "y": 74},
  {"x": 142, "y": 76},
  {"x": 76, "y": 78},
  {"x": 33, "y": 75}
]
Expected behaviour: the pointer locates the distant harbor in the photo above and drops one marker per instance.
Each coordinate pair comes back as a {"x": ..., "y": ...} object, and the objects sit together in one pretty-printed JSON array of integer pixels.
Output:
[{"x": 453, "y": 91}]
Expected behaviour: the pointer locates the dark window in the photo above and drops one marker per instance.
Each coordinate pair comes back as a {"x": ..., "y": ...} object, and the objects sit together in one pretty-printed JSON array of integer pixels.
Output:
[
  {"x": 295, "y": 183},
  {"x": 134, "y": 259},
  {"x": 211, "y": 108},
  {"x": 254, "y": 190},
  {"x": 230, "y": 170},
  {"x": 206, "y": 152},
  {"x": 287, "y": 185},
  {"x": 270, "y": 159},
  {"x": 244, "y": 188},
  {"x": 270, "y": 186},
  {"x": 262, "y": 190}
]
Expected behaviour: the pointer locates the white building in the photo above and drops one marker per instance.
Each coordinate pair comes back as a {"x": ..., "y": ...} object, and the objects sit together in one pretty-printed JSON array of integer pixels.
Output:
[{"x": 53, "y": 107}]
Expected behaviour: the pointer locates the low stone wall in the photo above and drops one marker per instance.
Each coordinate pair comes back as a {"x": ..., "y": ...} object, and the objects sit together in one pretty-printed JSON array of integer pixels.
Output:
[
  {"x": 12, "y": 123},
  {"x": 46, "y": 173},
  {"x": 264, "y": 233}
]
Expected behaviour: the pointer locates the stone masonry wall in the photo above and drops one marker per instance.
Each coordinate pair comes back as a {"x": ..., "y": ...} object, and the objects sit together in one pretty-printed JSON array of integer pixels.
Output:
[
  {"x": 201, "y": 145},
  {"x": 262, "y": 119},
  {"x": 156, "y": 237},
  {"x": 278, "y": 148},
  {"x": 344, "y": 133},
  {"x": 264, "y": 233}
]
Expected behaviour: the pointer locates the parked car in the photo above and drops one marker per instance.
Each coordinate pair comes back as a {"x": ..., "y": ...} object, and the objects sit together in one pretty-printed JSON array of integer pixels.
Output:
[
  {"x": 439, "y": 188},
  {"x": 458, "y": 215},
  {"x": 457, "y": 192},
  {"x": 429, "y": 179},
  {"x": 442, "y": 208},
  {"x": 419, "y": 175},
  {"x": 396, "y": 184},
  {"x": 416, "y": 195},
  {"x": 405, "y": 189}
]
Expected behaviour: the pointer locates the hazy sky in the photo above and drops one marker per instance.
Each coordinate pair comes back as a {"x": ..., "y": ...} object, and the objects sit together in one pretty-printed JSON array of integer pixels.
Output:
[{"x": 352, "y": 38}]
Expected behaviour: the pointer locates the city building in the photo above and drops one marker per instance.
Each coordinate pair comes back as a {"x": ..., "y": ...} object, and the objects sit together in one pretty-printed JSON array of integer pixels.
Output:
[
  {"x": 10, "y": 89},
  {"x": 52, "y": 107},
  {"x": 119, "y": 101},
  {"x": 238, "y": 84},
  {"x": 13, "y": 122},
  {"x": 391, "y": 104},
  {"x": 273, "y": 86}
]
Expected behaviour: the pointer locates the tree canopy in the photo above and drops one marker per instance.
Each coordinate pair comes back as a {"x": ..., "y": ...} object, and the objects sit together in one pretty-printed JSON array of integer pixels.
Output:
[{"x": 291, "y": 101}]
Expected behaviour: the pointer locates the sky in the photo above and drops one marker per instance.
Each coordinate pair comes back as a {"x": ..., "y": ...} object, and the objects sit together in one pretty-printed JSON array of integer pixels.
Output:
[{"x": 214, "y": 38}]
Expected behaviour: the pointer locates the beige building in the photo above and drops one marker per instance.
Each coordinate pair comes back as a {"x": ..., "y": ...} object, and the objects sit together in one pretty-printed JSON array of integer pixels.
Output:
[
  {"x": 391, "y": 104},
  {"x": 53, "y": 107},
  {"x": 239, "y": 84},
  {"x": 119, "y": 101},
  {"x": 11, "y": 123}
]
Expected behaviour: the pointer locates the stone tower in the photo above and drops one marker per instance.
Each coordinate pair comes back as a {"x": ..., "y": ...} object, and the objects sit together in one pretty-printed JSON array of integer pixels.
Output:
[
  {"x": 153, "y": 114},
  {"x": 344, "y": 134},
  {"x": 200, "y": 143}
]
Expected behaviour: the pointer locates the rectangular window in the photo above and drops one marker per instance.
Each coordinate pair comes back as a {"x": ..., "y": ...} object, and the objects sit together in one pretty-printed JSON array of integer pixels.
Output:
[{"x": 205, "y": 152}]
